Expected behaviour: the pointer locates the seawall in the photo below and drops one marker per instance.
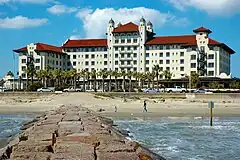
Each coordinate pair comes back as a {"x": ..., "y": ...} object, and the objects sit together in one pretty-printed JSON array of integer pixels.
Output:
[{"x": 74, "y": 133}]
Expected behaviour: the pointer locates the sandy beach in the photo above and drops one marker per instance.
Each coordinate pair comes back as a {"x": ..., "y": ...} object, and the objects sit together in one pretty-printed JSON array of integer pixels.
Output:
[{"x": 158, "y": 107}]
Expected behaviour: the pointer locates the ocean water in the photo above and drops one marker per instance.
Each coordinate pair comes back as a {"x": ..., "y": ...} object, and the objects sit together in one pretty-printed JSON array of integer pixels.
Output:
[
  {"x": 10, "y": 125},
  {"x": 188, "y": 138}
]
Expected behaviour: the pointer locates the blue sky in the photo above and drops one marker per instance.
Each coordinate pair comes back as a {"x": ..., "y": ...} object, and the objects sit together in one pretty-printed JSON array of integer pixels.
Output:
[{"x": 54, "y": 21}]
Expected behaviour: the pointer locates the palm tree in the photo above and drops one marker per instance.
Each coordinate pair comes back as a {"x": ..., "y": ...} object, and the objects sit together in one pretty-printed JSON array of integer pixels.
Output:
[
  {"x": 123, "y": 74},
  {"x": 88, "y": 74},
  {"x": 143, "y": 78},
  {"x": 136, "y": 76},
  {"x": 83, "y": 75},
  {"x": 129, "y": 75},
  {"x": 31, "y": 72},
  {"x": 103, "y": 73},
  {"x": 156, "y": 70},
  {"x": 116, "y": 75},
  {"x": 73, "y": 75},
  {"x": 94, "y": 76},
  {"x": 110, "y": 74},
  {"x": 194, "y": 80},
  {"x": 149, "y": 78},
  {"x": 19, "y": 82},
  {"x": 167, "y": 74},
  {"x": 234, "y": 85}
]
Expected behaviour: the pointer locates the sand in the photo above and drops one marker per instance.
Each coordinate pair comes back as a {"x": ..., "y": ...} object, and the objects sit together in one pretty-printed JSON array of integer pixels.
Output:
[{"x": 131, "y": 108}]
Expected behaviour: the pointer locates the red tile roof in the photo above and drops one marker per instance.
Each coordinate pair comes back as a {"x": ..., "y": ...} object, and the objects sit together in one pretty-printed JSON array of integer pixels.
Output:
[
  {"x": 186, "y": 40},
  {"x": 41, "y": 47},
  {"x": 86, "y": 43},
  {"x": 202, "y": 29},
  {"x": 129, "y": 27},
  {"x": 24, "y": 49}
]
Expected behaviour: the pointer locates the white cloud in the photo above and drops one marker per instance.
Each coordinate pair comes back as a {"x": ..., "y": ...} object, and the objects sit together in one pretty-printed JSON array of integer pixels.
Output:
[
  {"x": 181, "y": 22},
  {"x": 61, "y": 9},
  {"x": 212, "y": 7},
  {"x": 25, "y": 1},
  {"x": 20, "y": 22},
  {"x": 74, "y": 37},
  {"x": 95, "y": 21}
]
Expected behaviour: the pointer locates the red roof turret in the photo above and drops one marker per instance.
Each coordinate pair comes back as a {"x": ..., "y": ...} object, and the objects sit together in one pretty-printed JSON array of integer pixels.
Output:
[{"x": 202, "y": 29}]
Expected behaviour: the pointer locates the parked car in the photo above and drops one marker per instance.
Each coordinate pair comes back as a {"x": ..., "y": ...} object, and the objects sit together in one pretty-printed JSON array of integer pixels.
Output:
[
  {"x": 201, "y": 90},
  {"x": 176, "y": 89},
  {"x": 151, "y": 90},
  {"x": 45, "y": 89},
  {"x": 72, "y": 89}
]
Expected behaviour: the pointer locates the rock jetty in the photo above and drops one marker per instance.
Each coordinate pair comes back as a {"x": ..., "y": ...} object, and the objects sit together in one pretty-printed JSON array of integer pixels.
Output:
[{"x": 73, "y": 133}]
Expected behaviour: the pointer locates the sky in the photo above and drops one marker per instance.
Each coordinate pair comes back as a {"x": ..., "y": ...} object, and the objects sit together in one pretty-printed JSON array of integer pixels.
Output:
[{"x": 54, "y": 21}]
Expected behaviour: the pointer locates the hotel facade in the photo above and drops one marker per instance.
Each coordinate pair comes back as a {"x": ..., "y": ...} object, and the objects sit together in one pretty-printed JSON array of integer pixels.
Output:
[{"x": 132, "y": 47}]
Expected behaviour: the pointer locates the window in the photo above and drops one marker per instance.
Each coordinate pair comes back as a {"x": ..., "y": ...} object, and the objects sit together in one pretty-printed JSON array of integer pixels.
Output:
[
  {"x": 193, "y": 57},
  {"x": 37, "y": 68},
  {"x": 135, "y": 62},
  {"x": 116, "y": 55},
  {"x": 210, "y": 73},
  {"x": 161, "y": 62},
  {"x": 161, "y": 54},
  {"x": 168, "y": 68},
  {"x": 92, "y": 56},
  {"x": 211, "y": 56},
  {"x": 122, "y": 48},
  {"x": 181, "y": 68},
  {"x": 116, "y": 62},
  {"x": 167, "y": 61},
  {"x": 134, "y": 69},
  {"x": 135, "y": 48},
  {"x": 147, "y": 69},
  {"x": 116, "y": 48},
  {"x": 167, "y": 47},
  {"x": 128, "y": 48},
  {"x": 74, "y": 56},
  {"x": 92, "y": 63},
  {"x": 74, "y": 63},
  {"x": 134, "y": 40},
  {"x": 23, "y": 68},
  {"x": 105, "y": 62},
  {"x": 116, "y": 41},
  {"x": 167, "y": 54},
  {"x": 116, "y": 69},
  {"x": 181, "y": 54},
  {"x": 23, "y": 75},
  {"x": 105, "y": 55},
  {"x": 37, "y": 60},
  {"x": 211, "y": 47},
  {"x": 128, "y": 62},
  {"x": 135, "y": 55},
  {"x": 128, "y": 55},
  {"x": 173, "y": 54},
  {"x": 122, "y": 40},
  {"x": 23, "y": 60},
  {"x": 193, "y": 65},
  {"x": 128, "y": 40},
  {"x": 86, "y": 63},
  {"x": 147, "y": 54},
  {"x": 210, "y": 65},
  {"x": 161, "y": 68},
  {"x": 56, "y": 62},
  {"x": 161, "y": 47},
  {"x": 181, "y": 61},
  {"x": 147, "y": 61},
  {"x": 86, "y": 56}
]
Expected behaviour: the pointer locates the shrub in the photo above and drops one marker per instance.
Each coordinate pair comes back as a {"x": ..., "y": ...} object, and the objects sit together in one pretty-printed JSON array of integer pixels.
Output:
[{"x": 34, "y": 86}]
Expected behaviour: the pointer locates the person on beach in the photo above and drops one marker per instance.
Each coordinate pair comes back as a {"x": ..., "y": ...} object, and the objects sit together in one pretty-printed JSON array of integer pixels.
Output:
[
  {"x": 145, "y": 106},
  {"x": 115, "y": 108}
]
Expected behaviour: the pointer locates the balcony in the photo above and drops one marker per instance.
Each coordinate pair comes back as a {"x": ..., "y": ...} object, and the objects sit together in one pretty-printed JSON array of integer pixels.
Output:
[
  {"x": 125, "y": 58},
  {"x": 125, "y": 65}
]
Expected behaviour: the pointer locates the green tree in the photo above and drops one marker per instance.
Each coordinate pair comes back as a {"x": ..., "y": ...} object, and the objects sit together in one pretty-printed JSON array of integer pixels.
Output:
[
  {"x": 129, "y": 75},
  {"x": 103, "y": 73},
  {"x": 194, "y": 80},
  {"x": 116, "y": 75},
  {"x": 156, "y": 70},
  {"x": 94, "y": 77},
  {"x": 234, "y": 85},
  {"x": 167, "y": 74},
  {"x": 123, "y": 74},
  {"x": 215, "y": 85}
]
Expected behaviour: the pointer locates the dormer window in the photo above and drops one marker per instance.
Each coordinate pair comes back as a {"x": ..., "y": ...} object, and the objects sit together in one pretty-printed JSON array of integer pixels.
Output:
[{"x": 201, "y": 33}]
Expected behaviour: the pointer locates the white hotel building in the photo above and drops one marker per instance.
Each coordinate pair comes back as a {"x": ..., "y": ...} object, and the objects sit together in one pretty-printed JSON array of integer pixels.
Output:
[{"x": 135, "y": 48}]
